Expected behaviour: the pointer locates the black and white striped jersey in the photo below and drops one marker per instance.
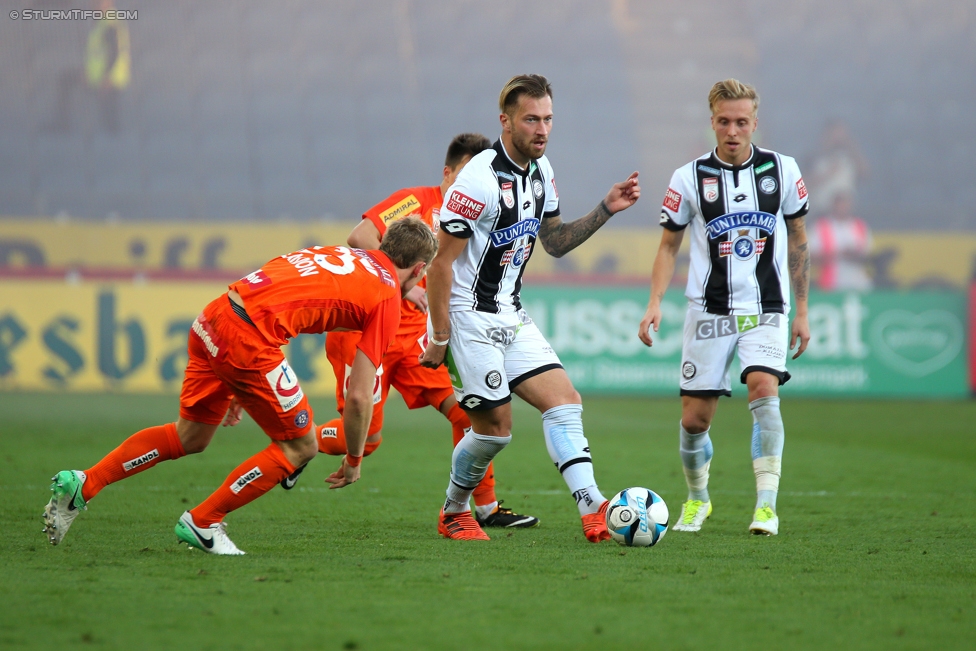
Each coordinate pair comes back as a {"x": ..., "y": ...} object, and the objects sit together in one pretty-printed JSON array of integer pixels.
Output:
[
  {"x": 738, "y": 230},
  {"x": 498, "y": 207}
]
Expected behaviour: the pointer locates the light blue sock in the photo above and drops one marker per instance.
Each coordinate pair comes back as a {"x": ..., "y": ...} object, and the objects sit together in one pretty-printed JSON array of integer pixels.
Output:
[
  {"x": 469, "y": 463},
  {"x": 696, "y": 456},
  {"x": 767, "y": 449},
  {"x": 570, "y": 452}
]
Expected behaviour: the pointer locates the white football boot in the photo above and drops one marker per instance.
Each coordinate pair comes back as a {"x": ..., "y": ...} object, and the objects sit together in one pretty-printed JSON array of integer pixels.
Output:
[{"x": 212, "y": 539}]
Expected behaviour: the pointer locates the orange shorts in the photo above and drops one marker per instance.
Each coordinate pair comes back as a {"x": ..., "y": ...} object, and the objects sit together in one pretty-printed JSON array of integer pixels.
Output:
[
  {"x": 230, "y": 358},
  {"x": 420, "y": 386}
]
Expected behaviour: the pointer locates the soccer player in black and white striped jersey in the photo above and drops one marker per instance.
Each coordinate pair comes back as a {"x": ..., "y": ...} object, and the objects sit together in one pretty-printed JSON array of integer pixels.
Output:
[{"x": 739, "y": 201}]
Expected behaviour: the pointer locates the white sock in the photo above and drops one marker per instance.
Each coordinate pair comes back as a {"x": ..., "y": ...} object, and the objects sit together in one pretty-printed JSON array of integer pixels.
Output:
[
  {"x": 469, "y": 463},
  {"x": 486, "y": 510},
  {"x": 570, "y": 452},
  {"x": 767, "y": 449},
  {"x": 696, "y": 458}
]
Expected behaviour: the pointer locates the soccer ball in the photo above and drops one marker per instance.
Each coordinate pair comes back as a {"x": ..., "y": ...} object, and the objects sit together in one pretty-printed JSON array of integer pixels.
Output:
[{"x": 637, "y": 517}]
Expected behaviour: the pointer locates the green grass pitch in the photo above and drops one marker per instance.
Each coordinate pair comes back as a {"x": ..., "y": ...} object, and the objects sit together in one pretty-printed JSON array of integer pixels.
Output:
[{"x": 876, "y": 547}]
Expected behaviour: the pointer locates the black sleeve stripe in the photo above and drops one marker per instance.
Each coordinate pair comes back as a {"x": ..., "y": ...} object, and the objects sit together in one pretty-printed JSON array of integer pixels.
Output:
[
  {"x": 554, "y": 213},
  {"x": 671, "y": 226},
  {"x": 799, "y": 213}
]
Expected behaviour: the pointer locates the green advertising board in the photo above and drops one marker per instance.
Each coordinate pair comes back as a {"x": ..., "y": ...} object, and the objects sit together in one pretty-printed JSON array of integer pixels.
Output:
[{"x": 899, "y": 344}]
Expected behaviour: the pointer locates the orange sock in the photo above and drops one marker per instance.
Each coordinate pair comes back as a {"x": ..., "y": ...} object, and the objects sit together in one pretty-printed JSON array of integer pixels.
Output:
[
  {"x": 332, "y": 439},
  {"x": 249, "y": 481},
  {"x": 484, "y": 492},
  {"x": 139, "y": 452}
]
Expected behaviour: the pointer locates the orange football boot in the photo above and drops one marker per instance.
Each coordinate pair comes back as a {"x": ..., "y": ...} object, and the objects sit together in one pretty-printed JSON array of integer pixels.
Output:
[
  {"x": 461, "y": 526},
  {"x": 595, "y": 525}
]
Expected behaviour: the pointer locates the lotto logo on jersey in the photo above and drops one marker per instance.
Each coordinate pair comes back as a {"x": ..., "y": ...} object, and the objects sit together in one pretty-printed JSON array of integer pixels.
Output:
[
  {"x": 672, "y": 200},
  {"x": 377, "y": 384},
  {"x": 461, "y": 204},
  {"x": 284, "y": 384},
  {"x": 403, "y": 208},
  {"x": 257, "y": 279},
  {"x": 801, "y": 189}
]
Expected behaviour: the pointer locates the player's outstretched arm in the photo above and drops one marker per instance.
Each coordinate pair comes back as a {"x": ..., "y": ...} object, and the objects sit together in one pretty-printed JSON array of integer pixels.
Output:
[
  {"x": 799, "y": 264},
  {"x": 440, "y": 275},
  {"x": 559, "y": 238},
  {"x": 355, "y": 419},
  {"x": 661, "y": 274}
]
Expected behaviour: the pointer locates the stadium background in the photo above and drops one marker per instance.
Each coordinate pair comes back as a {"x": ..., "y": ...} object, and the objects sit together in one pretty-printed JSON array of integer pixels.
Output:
[{"x": 234, "y": 132}]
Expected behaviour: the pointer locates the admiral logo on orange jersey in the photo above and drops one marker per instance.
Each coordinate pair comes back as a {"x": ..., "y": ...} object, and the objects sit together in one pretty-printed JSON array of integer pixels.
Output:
[
  {"x": 461, "y": 204},
  {"x": 403, "y": 208}
]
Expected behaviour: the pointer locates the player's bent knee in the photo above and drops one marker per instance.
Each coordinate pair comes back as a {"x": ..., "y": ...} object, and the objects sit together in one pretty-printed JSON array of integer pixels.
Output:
[{"x": 194, "y": 437}]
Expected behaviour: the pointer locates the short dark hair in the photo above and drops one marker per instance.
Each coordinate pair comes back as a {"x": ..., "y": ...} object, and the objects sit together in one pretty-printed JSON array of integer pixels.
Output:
[
  {"x": 535, "y": 86},
  {"x": 465, "y": 144},
  {"x": 408, "y": 241}
]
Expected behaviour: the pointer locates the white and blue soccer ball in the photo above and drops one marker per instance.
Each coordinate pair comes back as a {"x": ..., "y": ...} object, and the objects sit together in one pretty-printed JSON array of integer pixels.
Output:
[{"x": 637, "y": 517}]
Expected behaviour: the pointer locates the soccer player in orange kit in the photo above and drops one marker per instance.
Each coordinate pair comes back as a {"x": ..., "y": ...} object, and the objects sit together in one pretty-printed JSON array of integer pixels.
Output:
[
  {"x": 400, "y": 367},
  {"x": 236, "y": 362}
]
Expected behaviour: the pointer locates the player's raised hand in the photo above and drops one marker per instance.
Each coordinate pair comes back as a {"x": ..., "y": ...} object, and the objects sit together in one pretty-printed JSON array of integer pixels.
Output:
[
  {"x": 233, "y": 416},
  {"x": 623, "y": 195},
  {"x": 344, "y": 476},
  {"x": 799, "y": 334},
  {"x": 418, "y": 296},
  {"x": 652, "y": 319}
]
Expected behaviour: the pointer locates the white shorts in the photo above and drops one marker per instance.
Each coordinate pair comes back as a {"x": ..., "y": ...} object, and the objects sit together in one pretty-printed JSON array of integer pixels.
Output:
[
  {"x": 490, "y": 354},
  {"x": 710, "y": 342}
]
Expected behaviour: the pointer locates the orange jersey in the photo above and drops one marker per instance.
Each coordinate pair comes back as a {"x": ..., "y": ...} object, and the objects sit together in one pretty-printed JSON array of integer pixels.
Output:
[
  {"x": 424, "y": 203},
  {"x": 325, "y": 288}
]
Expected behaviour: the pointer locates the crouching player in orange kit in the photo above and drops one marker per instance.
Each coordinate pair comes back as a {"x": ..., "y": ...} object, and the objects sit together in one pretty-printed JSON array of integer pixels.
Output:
[
  {"x": 236, "y": 362},
  {"x": 401, "y": 367}
]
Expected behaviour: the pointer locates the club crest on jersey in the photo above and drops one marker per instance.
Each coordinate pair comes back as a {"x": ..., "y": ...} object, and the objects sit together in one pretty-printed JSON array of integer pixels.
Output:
[
  {"x": 509, "y": 234},
  {"x": 257, "y": 279},
  {"x": 742, "y": 247},
  {"x": 710, "y": 189},
  {"x": 767, "y": 185},
  {"x": 284, "y": 384},
  {"x": 517, "y": 256},
  {"x": 738, "y": 220},
  {"x": 508, "y": 195},
  {"x": 537, "y": 188}
]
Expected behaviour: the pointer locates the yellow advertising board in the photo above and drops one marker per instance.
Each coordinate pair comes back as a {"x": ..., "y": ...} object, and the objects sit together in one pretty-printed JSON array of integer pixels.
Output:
[
  {"x": 117, "y": 337},
  {"x": 902, "y": 260}
]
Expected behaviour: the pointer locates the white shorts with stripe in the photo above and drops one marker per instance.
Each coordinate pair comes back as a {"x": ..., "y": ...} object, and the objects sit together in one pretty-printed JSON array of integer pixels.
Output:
[
  {"x": 490, "y": 354},
  {"x": 711, "y": 341}
]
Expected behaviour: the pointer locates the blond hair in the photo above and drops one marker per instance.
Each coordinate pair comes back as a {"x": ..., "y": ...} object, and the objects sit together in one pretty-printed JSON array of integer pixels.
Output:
[
  {"x": 534, "y": 86},
  {"x": 408, "y": 241},
  {"x": 732, "y": 89}
]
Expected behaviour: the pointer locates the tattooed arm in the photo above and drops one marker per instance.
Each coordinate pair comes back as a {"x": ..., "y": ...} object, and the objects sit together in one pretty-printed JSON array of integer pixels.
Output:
[
  {"x": 799, "y": 264},
  {"x": 559, "y": 238}
]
